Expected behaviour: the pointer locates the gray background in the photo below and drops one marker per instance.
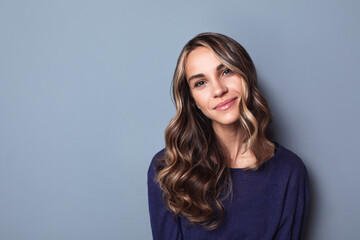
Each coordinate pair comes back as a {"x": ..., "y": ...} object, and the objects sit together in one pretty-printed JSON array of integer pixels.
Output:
[{"x": 85, "y": 99}]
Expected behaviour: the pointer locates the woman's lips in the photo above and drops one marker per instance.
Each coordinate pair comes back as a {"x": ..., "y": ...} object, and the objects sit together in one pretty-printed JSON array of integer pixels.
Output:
[{"x": 225, "y": 104}]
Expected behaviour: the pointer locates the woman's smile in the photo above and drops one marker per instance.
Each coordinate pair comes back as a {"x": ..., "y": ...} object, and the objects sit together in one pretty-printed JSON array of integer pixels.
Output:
[{"x": 225, "y": 104}]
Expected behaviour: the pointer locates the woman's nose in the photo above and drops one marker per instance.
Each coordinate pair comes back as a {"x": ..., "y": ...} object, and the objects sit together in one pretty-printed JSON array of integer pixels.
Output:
[{"x": 218, "y": 88}]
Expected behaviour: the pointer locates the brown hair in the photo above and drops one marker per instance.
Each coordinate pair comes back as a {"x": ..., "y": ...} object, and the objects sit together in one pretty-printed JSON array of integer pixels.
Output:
[{"x": 194, "y": 172}]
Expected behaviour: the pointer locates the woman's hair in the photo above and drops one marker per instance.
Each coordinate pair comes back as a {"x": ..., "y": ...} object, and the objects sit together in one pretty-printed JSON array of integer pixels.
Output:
[{"x": 194, "y": 173}]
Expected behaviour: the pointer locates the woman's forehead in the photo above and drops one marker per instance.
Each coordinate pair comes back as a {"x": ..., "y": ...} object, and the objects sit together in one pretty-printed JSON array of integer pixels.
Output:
[{"x": 201, "y": 60}]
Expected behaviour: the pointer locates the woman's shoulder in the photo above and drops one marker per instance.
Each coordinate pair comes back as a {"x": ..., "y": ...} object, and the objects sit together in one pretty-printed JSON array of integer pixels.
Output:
[
  {"x": 159, "y": 154},
  {"x": 287, "y": 161},
  {"x": 155, "y": 162}
]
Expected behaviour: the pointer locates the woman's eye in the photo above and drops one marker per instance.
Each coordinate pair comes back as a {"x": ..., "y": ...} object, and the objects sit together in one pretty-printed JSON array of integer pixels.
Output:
[
  {"x": 227, "y": 71},
  {"x": 199, "y": 83}
]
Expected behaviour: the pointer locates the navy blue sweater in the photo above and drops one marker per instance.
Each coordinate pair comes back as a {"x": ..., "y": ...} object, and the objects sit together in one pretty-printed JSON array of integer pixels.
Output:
[{"x": 270, "y": 203}]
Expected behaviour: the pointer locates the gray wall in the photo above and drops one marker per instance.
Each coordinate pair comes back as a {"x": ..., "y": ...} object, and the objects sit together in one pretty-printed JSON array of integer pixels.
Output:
[{"x": 85, "y": 99}]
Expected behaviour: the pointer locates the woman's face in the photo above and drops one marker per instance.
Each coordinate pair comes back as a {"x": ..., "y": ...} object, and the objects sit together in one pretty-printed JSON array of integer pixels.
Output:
[{"x": 215, "y": 88}]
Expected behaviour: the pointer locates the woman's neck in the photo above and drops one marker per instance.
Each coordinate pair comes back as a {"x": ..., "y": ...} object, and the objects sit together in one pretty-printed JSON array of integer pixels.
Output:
[{"x": 232, "y": 137}]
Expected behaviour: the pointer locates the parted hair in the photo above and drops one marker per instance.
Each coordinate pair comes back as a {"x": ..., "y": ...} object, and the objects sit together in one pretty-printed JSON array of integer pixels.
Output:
[{"x": 194, "y": 173}]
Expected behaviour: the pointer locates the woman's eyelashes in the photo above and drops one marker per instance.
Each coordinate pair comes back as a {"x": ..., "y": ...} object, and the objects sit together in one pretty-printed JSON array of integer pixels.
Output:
[
  {"x": 226, "y": 71},
  {"x": 199, "y": 83},
  {"x": 202, "y": 82}
]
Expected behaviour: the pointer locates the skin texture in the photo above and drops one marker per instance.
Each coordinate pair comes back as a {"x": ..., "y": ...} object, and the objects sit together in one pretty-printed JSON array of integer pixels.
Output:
[{"x": 213, "y": 86}]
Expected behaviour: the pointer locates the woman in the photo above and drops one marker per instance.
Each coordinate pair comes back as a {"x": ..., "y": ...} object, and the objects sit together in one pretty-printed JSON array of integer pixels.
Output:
[{"x": 219, "y": 177}]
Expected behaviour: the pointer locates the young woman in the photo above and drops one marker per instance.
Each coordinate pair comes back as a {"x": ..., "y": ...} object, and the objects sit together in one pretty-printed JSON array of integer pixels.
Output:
[{"x": 219, "y": 177}]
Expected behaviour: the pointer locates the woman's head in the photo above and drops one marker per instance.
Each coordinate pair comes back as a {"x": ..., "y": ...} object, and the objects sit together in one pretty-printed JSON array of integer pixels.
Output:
[
  {"x": 216, "y": 89},
  {"x": 204, "y": 61}
]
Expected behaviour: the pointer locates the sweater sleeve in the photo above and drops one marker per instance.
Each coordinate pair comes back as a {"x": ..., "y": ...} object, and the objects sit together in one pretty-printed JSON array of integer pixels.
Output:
[
  {"x": 163, "y": 224},
  {"x": 291, "y": 226}
]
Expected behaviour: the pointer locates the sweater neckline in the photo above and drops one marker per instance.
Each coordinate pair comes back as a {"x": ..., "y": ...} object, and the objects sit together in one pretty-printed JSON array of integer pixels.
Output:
[{"x": 279, "y": 149}]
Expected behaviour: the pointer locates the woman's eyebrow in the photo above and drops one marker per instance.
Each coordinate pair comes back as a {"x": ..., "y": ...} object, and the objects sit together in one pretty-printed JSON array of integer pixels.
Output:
[
  {"x": 202, "y": 75},
  {"x": 196, "y": 76},
  {"x": 219, "y": 67}
]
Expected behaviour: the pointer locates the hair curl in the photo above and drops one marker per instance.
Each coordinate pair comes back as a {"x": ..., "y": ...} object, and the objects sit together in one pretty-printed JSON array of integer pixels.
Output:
[{"x": 194, "y": 172}]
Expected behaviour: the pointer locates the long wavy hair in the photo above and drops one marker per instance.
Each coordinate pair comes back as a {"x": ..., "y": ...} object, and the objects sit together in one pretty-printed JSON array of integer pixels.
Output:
[{"x": 194, "y": 173}]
